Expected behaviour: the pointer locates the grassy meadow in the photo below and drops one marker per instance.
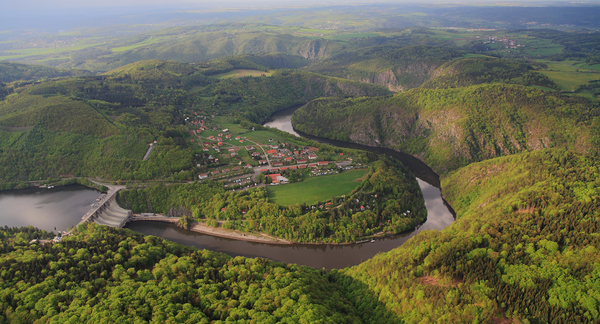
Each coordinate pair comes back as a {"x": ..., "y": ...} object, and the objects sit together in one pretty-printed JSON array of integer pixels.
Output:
[
  {"x": 316, "y": 189},
  {"x": 240, "y": 73}
]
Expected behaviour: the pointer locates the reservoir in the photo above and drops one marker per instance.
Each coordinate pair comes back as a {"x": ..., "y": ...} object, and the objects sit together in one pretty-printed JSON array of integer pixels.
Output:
[{"x": 60, "y": 207}]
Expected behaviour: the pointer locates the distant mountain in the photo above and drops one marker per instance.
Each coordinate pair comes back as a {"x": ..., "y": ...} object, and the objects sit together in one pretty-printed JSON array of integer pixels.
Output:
[{"x": 16, "y": 71}]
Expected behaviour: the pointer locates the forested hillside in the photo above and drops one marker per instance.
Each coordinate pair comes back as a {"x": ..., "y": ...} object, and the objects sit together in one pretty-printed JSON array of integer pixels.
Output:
[
  {"x": 107, "y": 275},
  {"x": 30, "y": 72},
  {"x": 101, "y": 126},
  {"x": 466, "y": 72},
  {"x": 395, "y": 67},
  {"x": 201, "y": 46},
  {"x": 524, "y": 246},
  {"x": 450, "y": 128}
]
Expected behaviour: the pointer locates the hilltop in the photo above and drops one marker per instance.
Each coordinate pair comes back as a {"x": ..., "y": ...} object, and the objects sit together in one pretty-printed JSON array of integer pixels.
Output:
[{"x": 450, "y": 128}]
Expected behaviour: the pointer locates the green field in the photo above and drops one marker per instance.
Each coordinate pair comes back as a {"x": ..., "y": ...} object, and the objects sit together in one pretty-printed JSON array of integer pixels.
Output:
[
  {"x": 570, "y": 80},
  {"x": 316, "y": 189},
  {"x": 263, "y": 136},
  {"x": 147, "y": 41},
  {"x": 240, "y": 73}
]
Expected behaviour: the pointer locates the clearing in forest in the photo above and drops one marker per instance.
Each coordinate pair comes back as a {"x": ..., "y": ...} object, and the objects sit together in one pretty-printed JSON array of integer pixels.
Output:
[
  {"x": 318, "y": 188},
  {"x": 240, "y": 73}
]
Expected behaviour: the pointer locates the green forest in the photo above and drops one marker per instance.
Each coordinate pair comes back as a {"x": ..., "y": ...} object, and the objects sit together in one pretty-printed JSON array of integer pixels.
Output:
[
  {"x": 450, "y": 128},
  {"x": 503, "y": 105}
]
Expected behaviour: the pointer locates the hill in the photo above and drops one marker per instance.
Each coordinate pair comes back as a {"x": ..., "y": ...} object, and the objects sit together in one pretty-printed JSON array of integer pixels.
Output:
[
  {"x": 397, "y": 68},
  {"x": 470, "y": 71},
  {"x": 203, "y": 46},
  {"x": 30, "y": 72},
  {"x": 523, "y": 248},
  {"x": 450, "y": 128},
  {"x": 101, "y": 125}
]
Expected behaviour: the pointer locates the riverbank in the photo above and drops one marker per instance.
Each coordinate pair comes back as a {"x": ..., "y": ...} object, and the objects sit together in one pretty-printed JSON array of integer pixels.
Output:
[
  {"x": 215, "y": 231},
  {"x": 20, "y": 185},
  {"x": 237, "y": 235},
  {"x": 256, "y": 237}
]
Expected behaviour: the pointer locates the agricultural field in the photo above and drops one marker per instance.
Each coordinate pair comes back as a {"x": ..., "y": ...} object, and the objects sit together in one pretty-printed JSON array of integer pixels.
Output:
[
  {"x": 316, "y": 189},
  {"x": 147, "y": 41},
  {"x": 263, "y": 137},
  {"x": 240, "y": 73}
]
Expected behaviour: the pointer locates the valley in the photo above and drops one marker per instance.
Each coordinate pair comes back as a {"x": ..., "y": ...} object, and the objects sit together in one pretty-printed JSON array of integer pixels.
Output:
[{"x": 492, "y": 110}]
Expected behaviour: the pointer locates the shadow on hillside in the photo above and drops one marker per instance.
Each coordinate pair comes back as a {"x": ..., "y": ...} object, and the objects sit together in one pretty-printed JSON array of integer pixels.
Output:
[{"x": 364, "y": 300}]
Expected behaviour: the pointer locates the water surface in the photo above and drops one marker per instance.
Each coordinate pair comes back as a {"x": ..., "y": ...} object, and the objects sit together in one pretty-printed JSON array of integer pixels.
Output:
[{"x": 47, "y": 209}]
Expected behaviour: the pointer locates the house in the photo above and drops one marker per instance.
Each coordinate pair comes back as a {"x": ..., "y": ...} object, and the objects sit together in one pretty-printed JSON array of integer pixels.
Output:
[
  {"x": 249, "y": 148},
  {"x": 203, "y": 176},
  {"x": 205, "y": 149},
  {"x": 302, "y": 166},
  {"x": 237, "y": 137},
  {"x": 302, "y": 161},
  {"x": 237, "y": 168},
  {"x": 226, "y": 170},
  {"x": 295, "y": 152},
  {"x": 293, "y": 167},
  {"x": 263, "y": 162},
  {"x": 323, "y": 163},
  {"x": 289, "y": 159},
  {"x": 242, "y": 141},
  {"x": 215, "y": 172},
  {"x": 272, "y": 152},
  {"x": 312, "y": 157},
  {"x": 278, "y": 164},
  {"x": 228, "y": 136},
  {"x": 220, "y": 143},
  {"x": 314, "y": 165},
  {"x": 255, "y": 154},
  {"x": 283, "y": 168},
  {"x": 225, "y": 130}
]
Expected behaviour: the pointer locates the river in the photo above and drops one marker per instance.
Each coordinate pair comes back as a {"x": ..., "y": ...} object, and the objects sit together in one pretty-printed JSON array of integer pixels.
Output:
[
  {"x": 326, "y": 256},
  {"x": 62, "y": 207}
]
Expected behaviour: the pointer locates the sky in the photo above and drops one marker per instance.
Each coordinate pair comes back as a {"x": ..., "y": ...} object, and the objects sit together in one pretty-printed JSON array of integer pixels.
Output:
[
  {"x": 41, "y": 4},
  {"x": 57, "y": 15}
]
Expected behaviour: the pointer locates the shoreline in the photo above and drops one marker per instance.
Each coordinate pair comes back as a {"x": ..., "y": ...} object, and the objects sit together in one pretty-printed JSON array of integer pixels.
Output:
[
  {"x": 257, "y": 237},
  {"x": 238, "y": 235}
]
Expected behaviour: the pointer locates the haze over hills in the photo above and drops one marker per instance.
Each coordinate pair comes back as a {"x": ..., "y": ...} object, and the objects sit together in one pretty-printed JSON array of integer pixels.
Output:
[{"x": 501, "y": 101}]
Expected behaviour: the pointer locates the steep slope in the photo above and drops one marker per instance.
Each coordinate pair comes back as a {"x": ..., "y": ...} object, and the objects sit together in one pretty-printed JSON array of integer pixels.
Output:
[
  {"x": 449, "y": 128},
  {"x": 524, "y": 246},
  {"x": 205, "y": 46},
  {"x": 397, "y": 68},
  {"x": 470, "y": 71}
]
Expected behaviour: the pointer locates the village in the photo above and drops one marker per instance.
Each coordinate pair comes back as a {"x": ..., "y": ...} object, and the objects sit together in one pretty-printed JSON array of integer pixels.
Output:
[{"x": 242, "y": 161}]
